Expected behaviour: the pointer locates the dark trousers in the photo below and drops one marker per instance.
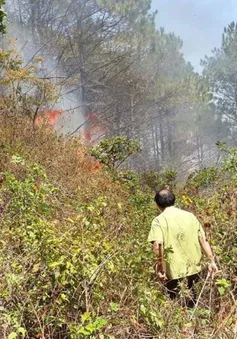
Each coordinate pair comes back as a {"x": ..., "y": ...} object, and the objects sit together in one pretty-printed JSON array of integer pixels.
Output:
[{"x": 173, "y": 288}]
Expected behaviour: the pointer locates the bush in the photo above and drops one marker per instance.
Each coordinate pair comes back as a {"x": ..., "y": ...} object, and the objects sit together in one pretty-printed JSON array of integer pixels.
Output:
[
  {"x": 158, "y": 180},
  {"x": 64, "y": 254},
  {"x": 115, "y": 151},
  {"x": 203, "y": 178}
]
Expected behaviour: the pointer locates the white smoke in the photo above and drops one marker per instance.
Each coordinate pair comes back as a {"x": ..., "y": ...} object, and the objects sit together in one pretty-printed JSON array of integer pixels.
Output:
[{"x": 68, "y": 102}]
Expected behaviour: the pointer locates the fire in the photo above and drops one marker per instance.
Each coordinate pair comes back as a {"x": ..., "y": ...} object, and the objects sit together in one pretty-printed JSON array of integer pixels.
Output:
[
  {"x": 48, "y": 117},
  {"x": 94, "y": 129},
  {"x": 91, "y": 135},
  {"x": 91, "y": 164}
]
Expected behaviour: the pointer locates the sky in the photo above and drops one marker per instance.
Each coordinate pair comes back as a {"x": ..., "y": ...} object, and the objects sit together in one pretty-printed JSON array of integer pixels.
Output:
[{"x": 199, "y": 23}]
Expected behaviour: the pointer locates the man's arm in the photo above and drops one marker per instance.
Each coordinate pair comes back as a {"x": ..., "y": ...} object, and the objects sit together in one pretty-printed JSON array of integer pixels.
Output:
[
  {"x": 156, "y": 238},
  {"x": 158, "y": 249},
  {"x": 206, "y": 248}
]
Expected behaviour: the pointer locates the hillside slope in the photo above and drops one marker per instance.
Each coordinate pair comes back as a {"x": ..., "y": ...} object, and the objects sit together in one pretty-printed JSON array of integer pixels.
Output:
[{"x": 74, "y": 258}]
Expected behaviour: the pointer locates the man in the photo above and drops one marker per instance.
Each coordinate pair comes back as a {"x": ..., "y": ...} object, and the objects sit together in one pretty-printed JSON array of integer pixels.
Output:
[{"x": 178, "y": 240}]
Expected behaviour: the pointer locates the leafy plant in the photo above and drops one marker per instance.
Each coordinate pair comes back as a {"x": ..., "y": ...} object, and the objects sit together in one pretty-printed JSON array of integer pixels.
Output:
[
  {"x": 20, "y": 333},
  {"x": 115, "y": 151},
  {"x": 158, "y": 180},
  {"x": 203, "y": 178},
  {"x": 26, "y": 92},
  {"x": 223, "y": 286}
]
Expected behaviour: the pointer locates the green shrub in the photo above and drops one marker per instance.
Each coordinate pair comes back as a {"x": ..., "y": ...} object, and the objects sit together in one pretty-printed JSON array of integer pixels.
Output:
[
  {"x": 203, "y": 178},
  {"x": 114, "y": 151},
  {"x": 158, "y": 180}
]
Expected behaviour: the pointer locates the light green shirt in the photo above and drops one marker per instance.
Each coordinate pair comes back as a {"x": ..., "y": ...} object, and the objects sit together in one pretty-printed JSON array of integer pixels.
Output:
[{"x": 179, "y": 232}]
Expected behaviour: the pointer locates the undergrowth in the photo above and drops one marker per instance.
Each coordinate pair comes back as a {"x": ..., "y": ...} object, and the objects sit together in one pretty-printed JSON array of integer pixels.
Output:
[{"x": 74, "y": 257}]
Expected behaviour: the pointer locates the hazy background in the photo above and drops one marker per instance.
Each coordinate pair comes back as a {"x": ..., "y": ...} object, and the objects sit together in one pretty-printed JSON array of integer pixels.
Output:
[
  {"x": 137, "y": 85},
  {"x": 199, "y": 23}
]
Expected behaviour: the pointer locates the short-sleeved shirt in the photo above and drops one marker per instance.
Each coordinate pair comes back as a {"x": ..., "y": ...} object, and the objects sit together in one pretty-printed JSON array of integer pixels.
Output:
[{"x": 179, "y": 232}]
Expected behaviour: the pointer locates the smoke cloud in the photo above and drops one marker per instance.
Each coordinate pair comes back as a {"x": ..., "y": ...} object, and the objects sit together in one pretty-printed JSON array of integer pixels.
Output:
[{"x": 68, "y": 102}]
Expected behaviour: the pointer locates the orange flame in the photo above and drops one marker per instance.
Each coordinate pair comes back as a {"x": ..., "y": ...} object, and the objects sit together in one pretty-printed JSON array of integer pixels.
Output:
[{"x": 48, "y": 117}]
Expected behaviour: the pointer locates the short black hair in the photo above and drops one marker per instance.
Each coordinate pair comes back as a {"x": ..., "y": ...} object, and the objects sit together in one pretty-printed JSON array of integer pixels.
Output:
[{"x": 165, "y": 198}]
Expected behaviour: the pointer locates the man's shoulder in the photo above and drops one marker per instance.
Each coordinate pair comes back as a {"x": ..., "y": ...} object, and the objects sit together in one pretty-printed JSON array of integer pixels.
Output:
[
  {"x": 155, "y": 221},
  {"x": 185, "y": 212},
  {"x": 179, "y": 211}
]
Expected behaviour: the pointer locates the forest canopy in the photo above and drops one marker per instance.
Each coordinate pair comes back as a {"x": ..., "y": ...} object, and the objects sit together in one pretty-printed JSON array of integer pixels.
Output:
[{"x": 128, "y": 78}]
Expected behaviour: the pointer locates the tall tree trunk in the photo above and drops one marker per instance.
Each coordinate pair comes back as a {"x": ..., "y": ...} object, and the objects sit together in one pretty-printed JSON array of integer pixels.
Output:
[
  {"x": 169, "y": 138},
  {"x": 162, "y": 141}
]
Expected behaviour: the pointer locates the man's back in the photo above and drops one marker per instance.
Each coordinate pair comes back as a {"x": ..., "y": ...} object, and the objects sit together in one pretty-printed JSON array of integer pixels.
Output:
[{"x": 179, "y": 231}]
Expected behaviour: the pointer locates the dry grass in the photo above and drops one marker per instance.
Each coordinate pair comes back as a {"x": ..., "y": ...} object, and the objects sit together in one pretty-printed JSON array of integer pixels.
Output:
[{"x": 113, "y": 247}]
